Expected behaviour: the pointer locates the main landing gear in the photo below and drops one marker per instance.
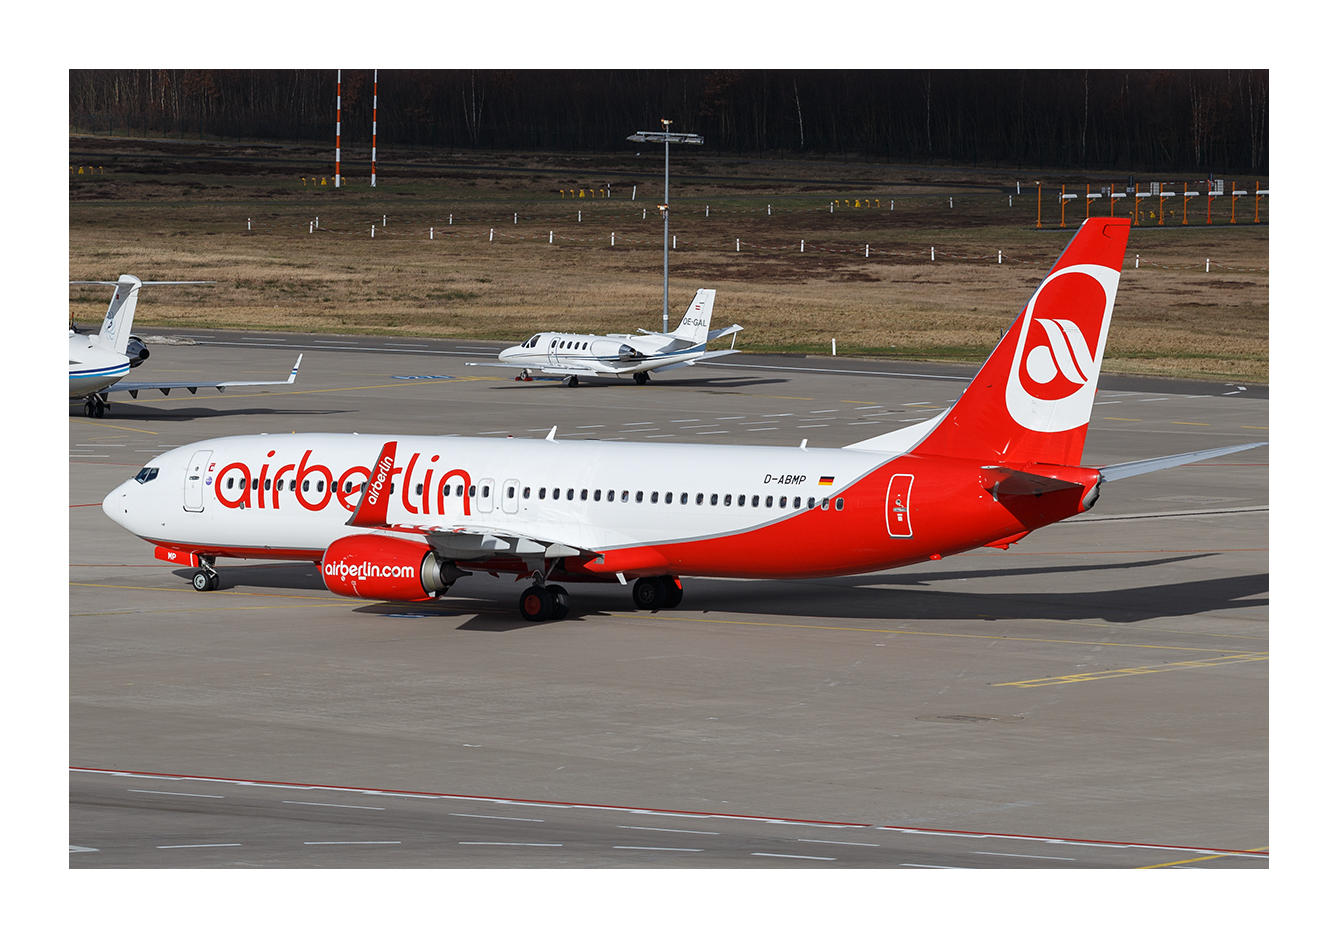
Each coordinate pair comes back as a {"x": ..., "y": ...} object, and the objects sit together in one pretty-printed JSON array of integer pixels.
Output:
[
  {"x": 541, "y": 602},
  {"x": 206, "y": 577},
  {"x": 95, "y": 405},
  {"x": 657, "y": 592},
  {"x": 640, "y": 377},
  {"x": 572, "y": 381}
]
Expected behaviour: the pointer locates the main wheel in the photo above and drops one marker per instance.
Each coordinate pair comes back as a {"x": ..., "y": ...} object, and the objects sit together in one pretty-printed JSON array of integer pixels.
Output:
[
  {"x": 561, "y": 602},
  {"x": 88, "y": 408},
  {"x": 100, "y": 406},
  {"x": 536, "y": 604},
  {"x": 648, "y": 592},
  {"x": 640, "y": 377},
  {"x": 673, "y": 591},
  {"x": 573, "y": 381},
  {"x": 202, "y": 581}
]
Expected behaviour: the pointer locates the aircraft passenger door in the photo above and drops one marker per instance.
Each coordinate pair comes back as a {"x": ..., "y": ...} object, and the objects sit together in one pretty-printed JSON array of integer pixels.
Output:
[
  {"x": 510, "y": 496},
  {"x": 484, "y": 501},
  {"x": 899, "y": 505},
  {"x": 195, "y": 473},
  {"x": 553, "y": 351}
]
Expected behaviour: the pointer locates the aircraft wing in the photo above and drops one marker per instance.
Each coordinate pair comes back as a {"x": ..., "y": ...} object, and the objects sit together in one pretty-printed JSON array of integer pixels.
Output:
[
  {"x": 694, "y": 360},
  {"x": 134, "y": 387}
]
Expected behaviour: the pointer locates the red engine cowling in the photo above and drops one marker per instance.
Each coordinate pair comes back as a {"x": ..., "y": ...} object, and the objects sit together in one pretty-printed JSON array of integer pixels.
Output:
[{"x": 377, "y": 566}]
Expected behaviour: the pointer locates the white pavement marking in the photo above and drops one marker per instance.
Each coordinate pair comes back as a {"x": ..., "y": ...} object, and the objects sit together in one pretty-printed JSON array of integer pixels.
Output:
[
  {"x": 666, "y": 830},
  {"x": 331, "y": 843},
  {"x": 847, "y": 843},
  {"x": 494, "y": 817},
  {"x": 185, "y": 846},
  {"x": 321, "y": 804},
  {"x": 931, "y": 866},
  {"x": 673, "y": 849},
  {"x": 74, "y": 849},
  {"x": 793, "y": 856},
  {"x": 183, "y": 794}
]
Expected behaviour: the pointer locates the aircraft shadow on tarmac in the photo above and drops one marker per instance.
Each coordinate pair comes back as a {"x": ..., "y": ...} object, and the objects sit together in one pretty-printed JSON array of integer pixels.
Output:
[
  {"x": 889, "y": 597},
  {"x": 704, "y": 383},
  {"x": 123, "y": 411}
]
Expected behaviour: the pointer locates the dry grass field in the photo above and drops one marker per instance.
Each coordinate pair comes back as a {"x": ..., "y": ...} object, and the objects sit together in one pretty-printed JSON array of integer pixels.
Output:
[{"x": 465, "y": 250}]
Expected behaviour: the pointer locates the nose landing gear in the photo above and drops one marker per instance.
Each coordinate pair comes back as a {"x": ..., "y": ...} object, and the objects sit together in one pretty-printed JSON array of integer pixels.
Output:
[{"x": 206, "y": 577}]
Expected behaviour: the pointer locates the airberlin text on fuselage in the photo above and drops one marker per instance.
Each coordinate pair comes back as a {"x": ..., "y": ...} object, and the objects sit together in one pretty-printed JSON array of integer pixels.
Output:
[{"x": 268, "y": 484}]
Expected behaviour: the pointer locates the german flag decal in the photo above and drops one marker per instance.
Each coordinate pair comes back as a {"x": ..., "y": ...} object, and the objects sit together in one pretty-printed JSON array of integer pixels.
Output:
[{"x": 826, "y": 480}]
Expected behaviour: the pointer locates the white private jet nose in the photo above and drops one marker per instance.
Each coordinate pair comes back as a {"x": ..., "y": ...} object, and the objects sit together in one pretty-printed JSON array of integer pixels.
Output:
[{"x": 507, "y": 354}]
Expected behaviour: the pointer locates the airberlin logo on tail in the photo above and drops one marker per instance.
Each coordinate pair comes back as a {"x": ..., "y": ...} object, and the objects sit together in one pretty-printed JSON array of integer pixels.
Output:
[
  {"x": 383, "y": 467},
  {"x": 1063, "y": 337}
]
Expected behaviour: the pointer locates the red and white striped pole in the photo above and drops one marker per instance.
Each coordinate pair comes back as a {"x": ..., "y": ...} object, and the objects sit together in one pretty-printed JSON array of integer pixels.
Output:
[
  {"x": 373, "y": 128},
  {"x": 339, "y": 104}
]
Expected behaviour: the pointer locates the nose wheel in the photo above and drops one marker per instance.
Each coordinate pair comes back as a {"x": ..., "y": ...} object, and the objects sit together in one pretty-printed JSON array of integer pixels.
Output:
[{"x": 204, "y": 581}]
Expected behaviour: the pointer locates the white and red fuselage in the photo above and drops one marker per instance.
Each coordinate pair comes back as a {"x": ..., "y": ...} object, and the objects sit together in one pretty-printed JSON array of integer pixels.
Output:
[{"x": 637, "y": 508}]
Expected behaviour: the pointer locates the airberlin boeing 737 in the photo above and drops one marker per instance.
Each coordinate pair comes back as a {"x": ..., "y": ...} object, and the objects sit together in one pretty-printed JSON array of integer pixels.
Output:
[{"x": 401, "y": 519}]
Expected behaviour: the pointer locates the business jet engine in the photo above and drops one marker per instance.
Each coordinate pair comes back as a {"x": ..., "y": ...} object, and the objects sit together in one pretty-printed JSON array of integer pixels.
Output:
[
  {"x": 609, "y": 349},
  {"x": 136, "y": 351},
  {"x": 383, "y": 567}
]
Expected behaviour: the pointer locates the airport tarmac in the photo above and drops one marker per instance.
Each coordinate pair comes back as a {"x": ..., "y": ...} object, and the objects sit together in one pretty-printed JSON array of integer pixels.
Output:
[{"x": 1095, "y": 696}]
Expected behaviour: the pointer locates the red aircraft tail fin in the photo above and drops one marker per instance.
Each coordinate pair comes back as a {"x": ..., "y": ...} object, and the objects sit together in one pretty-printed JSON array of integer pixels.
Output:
[{"x": 1032, "y": 399}]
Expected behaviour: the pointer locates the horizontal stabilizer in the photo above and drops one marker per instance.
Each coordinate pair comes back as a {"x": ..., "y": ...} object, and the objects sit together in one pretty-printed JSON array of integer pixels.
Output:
[
  {"x": 1004, "y": 481},
  {"x": 1127, "y": 469},
  {"x": 717, "y": 333}
]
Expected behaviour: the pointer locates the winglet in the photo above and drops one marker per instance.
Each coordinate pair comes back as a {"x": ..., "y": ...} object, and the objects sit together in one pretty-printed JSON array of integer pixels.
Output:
[
  {"x": 293, "y": 377},
  {"x": 371, "y": 510}
]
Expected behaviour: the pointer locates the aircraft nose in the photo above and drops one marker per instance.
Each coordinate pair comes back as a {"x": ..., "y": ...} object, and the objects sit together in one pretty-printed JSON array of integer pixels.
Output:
[
  {"x": 508, "y": 353},
  {"x": 116, "y": 505}
]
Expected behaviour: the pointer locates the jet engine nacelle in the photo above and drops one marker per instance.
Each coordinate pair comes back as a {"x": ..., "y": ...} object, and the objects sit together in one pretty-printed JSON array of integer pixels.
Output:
[
  {"x": 378, "y": 566},
  {"x": 136, "y": 351},
  {"x": 615, "y": 348}
]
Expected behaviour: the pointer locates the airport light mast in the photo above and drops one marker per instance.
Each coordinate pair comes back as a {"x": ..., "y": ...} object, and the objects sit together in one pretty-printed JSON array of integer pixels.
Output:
[{"x": 651, "y": 136}]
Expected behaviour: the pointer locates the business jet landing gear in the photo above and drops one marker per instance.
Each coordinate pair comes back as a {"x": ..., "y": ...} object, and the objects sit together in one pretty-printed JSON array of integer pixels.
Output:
[
  {"x": 95, "y": 406},
  {"x": 206, "y": 577},
  {"x": 640, "y": 377},
  {"x": 657, "y": 592},
  {"x": 572, "y": 381}
]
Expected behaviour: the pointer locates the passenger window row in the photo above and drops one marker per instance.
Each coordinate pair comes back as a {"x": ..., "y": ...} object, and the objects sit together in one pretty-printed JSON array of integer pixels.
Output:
[
  {"x": 684, "y": 498},
  {"x": 556, "y": 494}
]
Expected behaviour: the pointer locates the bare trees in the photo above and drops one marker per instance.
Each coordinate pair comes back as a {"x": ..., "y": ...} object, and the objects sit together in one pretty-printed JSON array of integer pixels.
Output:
[{"x": 1131, "y": 120}]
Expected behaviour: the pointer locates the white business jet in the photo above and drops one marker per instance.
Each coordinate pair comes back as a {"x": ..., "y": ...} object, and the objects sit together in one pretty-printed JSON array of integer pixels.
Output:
[
  {"x": 99, "y": 362},
  {"x": 619, "y": 354}
]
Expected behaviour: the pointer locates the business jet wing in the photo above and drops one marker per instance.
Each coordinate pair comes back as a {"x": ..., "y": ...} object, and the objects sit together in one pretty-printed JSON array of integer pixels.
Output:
[
  {"x": 695, "y": 359},
  {"x": 134, "y": 387}
]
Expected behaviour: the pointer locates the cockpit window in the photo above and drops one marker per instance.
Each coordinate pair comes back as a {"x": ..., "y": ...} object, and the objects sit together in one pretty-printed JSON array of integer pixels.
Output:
[
  {"x": 147, "y": 474},
  {"x": 534, "y": 341}
]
